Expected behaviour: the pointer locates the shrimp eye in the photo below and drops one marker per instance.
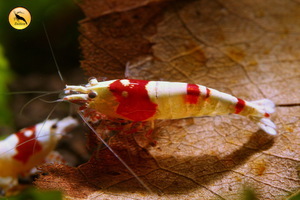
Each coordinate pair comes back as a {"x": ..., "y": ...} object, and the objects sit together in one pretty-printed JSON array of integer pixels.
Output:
[
  {"x": 92, "y": 95},
  {"x": 54, "y": 126}
]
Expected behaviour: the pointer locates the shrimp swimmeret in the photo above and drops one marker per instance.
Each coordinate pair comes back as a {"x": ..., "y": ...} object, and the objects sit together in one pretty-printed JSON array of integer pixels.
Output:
[
  {"x": 141, "y": 100},
  {"x": 29, "y": 147}
]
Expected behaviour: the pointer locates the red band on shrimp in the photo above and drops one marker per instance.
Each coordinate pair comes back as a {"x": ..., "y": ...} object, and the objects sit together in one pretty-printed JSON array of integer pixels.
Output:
[
  {"x": 239, "y": 106},
  {"x": 26, "y": 143},
  {"x": 134, "y": 100},
  {"x": 207, "y": 93},
  {"x": 192, "y": 93}
]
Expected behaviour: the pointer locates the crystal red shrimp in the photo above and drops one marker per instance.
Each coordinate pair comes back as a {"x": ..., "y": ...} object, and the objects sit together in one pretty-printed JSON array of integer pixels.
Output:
[
  {"x": 29, "y": 147},
  {"x": 141, "y": 100}
]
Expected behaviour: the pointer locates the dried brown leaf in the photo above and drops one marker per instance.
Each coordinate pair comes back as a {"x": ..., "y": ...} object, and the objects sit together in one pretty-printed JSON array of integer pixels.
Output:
[
  {"x": 246, "y": 48},
  {"x": 110, "y": 42}
]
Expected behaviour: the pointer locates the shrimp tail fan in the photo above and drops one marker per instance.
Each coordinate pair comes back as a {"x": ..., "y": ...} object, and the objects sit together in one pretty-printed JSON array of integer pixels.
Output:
[{"x": 267, "y": 107}]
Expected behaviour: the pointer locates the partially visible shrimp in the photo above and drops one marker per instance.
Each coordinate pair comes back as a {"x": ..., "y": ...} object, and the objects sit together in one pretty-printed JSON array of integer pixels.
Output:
[
  {"x": 29, "y": 147},
  {"x": 140, "y": 100}
]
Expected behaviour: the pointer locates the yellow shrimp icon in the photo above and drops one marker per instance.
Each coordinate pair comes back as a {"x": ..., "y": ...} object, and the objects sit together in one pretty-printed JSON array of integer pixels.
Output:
[{"x": 19, "y": 18}]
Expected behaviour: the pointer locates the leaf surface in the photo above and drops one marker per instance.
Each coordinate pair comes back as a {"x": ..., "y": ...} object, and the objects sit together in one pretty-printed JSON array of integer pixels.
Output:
[{"x": 245, "y": 48}]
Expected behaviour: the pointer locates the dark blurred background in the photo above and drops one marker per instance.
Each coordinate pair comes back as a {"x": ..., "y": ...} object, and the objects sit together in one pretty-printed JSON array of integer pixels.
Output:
[{"x": 26, "y": 62}]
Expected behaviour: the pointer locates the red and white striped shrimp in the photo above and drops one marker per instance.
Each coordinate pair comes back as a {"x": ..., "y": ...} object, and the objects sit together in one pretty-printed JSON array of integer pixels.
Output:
[
  {"x": 141, "y": 100},
  {"x": 29, "y": 147}
]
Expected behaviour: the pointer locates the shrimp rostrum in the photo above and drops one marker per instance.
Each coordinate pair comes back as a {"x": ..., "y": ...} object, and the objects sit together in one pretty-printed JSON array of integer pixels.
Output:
[{"x": 141, "y": 100}]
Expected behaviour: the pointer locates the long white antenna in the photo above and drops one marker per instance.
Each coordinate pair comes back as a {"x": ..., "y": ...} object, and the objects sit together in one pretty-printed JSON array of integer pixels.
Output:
[
  {"x": 51, "y": 49},
  {"x": 117, "y": 156},
  {"x": 33, "y": 99},
  {"x": 44, "y": 122}
]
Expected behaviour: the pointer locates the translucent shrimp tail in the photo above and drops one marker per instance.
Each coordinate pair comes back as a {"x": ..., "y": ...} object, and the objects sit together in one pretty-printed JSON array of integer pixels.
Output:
[
  {"x": 267, "y": 125},
  {"x": 266, "y": 107}
]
